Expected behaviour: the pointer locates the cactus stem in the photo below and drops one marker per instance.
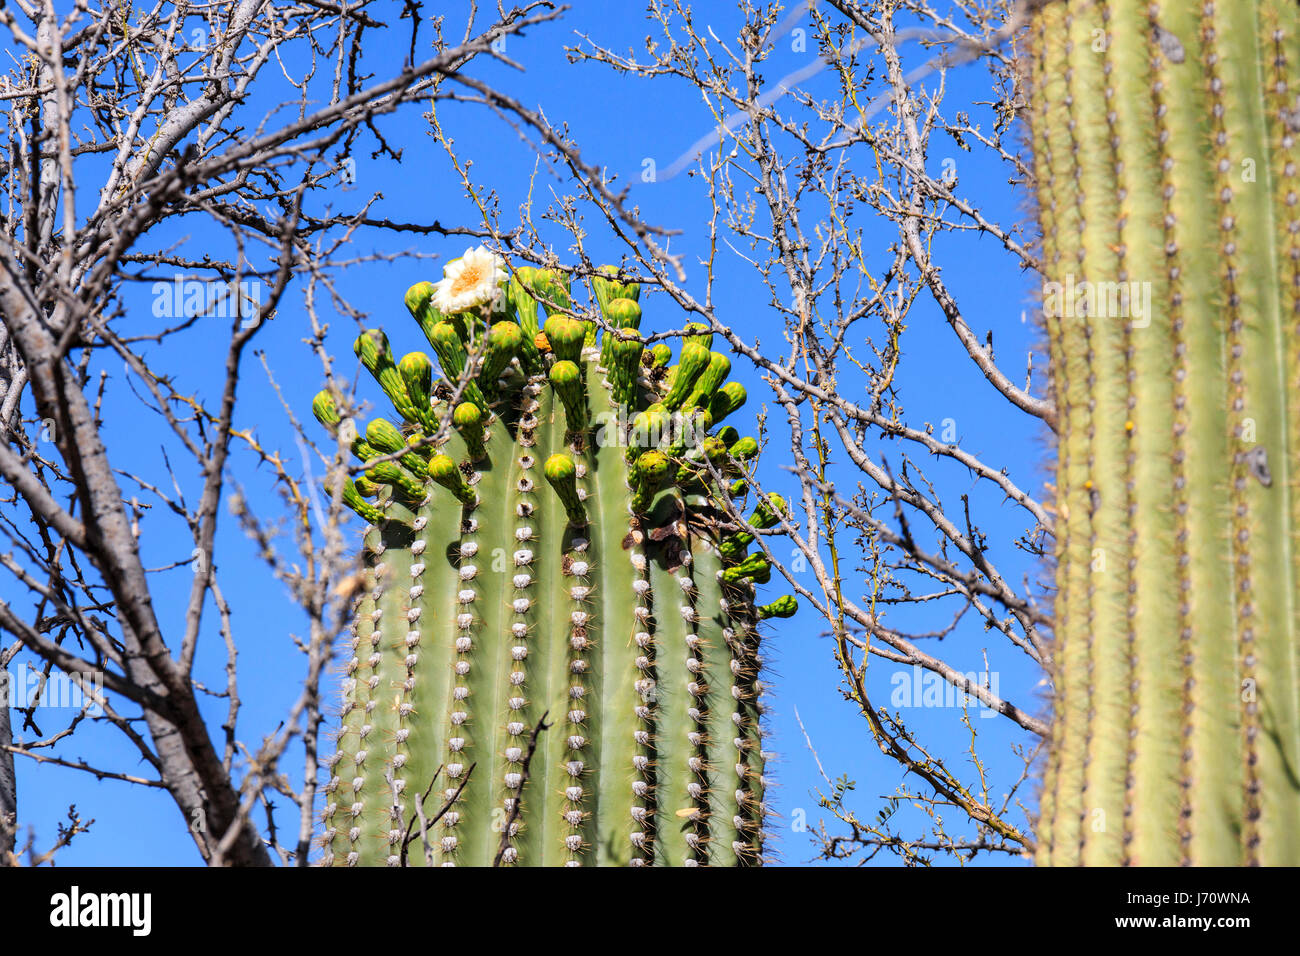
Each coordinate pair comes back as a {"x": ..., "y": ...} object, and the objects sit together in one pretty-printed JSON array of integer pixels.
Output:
[
  {"x": 644, "y": 713},
  {"x": 1171, "y": 531}
]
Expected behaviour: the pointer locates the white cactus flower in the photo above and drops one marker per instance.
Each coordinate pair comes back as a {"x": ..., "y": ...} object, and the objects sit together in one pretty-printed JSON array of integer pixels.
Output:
[{"x": 475, "y": 279}]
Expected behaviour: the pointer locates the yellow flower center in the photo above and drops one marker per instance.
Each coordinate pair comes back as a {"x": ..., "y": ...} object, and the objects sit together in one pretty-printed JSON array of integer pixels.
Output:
[{"x": 469, "y": 277}]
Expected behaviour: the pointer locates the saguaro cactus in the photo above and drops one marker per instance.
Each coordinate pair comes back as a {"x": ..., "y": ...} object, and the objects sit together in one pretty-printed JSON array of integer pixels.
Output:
[
  {"x": 558, "y": 640},
  {"x": 1164, "y": 139}
]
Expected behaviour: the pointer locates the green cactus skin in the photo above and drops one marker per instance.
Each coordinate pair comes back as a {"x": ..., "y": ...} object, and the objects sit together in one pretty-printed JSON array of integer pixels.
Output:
[
  {"x": 1168, "y": 158},
  {"x": 536, "y": 570}
]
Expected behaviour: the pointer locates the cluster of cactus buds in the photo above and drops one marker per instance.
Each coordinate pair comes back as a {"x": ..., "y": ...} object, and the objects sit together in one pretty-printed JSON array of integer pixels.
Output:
[{"x": 555, "y": 658}]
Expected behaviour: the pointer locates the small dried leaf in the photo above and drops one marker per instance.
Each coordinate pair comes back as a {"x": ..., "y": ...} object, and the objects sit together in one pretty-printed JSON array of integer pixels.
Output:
[{"x": 666, "y": 531}]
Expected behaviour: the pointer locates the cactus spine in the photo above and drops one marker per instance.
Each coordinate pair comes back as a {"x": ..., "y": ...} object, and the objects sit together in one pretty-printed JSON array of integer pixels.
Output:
[
  {"x": 1165, "y": 159},
  {"x": 525, "y": 558}
]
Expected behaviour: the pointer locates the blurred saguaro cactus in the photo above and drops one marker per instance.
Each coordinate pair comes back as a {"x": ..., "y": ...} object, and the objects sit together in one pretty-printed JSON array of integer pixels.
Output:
[
  {"x": 558, "y": 637},
  {"x": 1164, "y": 142}
]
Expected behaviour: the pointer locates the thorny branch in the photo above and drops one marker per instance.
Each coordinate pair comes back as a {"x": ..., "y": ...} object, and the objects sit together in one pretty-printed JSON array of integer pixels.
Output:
[
  {"x": 125, "y": 130},
  {"x": 829, "y": 202},
  {"x": 803, "y": 190}
]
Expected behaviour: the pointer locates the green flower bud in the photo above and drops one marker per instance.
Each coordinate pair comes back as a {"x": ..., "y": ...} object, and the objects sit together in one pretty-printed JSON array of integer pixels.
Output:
[
  {"x": 726, "y": 400},
  {"x": 418, "y": 297},
  {"x": 417, "y": 373},
  {"x": 566, "y": 379},
  {"x": 468, "y": 419},
  {"x": 609, "y": 289},
  {"x": 566, "y": 336},
  {"x": 752, "y": 565},
  {"x": 769, "y": 511},
  {"x": 744, "y": 450},
  {"x": 650, "y": 429},
  {"x": 561, "y": 472},
  {"x": 403, "y": 483},
  {"x": 382, "y": 436},
  {"x": 326, "y": 410},
  {"x": 623, "y": 314},
  {"x": 620, "y": 314},
  {"x": 528, "y": 276},
  {"x": 692, "y": 428},
  {"x": 447, "y": 473},
  {"x": 372, "y": 348},
  {"x": 525, "y": 307},
  {"x": 387, "y": 440},
  {"x": 648, "y": 475},
  {"x": 693, "y": 470},
  {"x": 421, "y": 445},
  {"x": 449, "y": 348},
  {"x": 360, "y": 447},
  {"x": 702, "y": 337},
  {"x": 694, "y": 360},
  {"x": 352, "y": 498},
  {"x": 419, "y": 302},
  {"x": 708, "y": 382},
  {"x": 781, "y": 607},
  {"x": 523, "y": 301},
  {"x": 625, "y": 364},
  {"x": 733, "y": 547},
  {"x": 552, "y": 289},
  {"x": 503, "y": 343}
]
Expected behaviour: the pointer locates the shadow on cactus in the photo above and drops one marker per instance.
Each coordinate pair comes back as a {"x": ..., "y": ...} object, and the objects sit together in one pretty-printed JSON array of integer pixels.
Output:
[{"x": 555, "y": 659}]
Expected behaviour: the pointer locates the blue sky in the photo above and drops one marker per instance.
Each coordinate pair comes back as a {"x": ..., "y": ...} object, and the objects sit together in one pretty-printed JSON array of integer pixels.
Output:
[{"x": 619, "y": 122}]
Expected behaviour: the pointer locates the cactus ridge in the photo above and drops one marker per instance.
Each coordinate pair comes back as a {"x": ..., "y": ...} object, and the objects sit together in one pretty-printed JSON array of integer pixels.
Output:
[
  {"x": 1167, "y": 172},
  {"x": 550, "y": 563}
]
